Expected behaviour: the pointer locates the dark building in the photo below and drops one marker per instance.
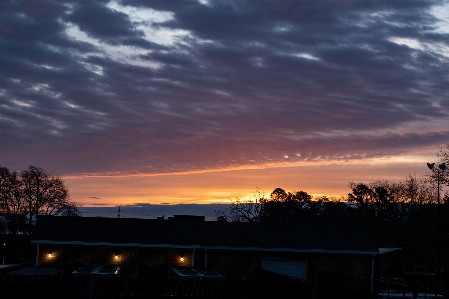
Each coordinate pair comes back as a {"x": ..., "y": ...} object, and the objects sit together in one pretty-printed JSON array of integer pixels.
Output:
[
  {"x": 151, "y": 248},
  {"x": 409, "y": 267}
]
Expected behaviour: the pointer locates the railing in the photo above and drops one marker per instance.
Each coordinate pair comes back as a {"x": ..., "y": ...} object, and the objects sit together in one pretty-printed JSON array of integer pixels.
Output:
[
  {"x": 340, "y": 286},
  {"x": 91, "y": 287},
  {"x": 327, "y": 286}
]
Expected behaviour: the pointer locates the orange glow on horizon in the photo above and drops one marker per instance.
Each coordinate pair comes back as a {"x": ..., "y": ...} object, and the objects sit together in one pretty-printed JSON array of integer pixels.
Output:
[{"x": 222, "y": 186}]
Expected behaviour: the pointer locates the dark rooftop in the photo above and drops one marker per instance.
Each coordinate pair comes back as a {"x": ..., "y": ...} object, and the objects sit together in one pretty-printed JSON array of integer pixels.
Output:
[{"x": 199, "y": 234}]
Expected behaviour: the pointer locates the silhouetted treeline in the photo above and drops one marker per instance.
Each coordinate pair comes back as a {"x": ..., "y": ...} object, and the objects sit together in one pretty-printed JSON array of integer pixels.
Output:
[
  {"x": 399, "y": 214},
  {"x": 29, "y": 193}
]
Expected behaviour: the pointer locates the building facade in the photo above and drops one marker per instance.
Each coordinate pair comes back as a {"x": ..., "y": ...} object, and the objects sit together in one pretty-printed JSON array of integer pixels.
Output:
[{"x": 152, "y": 248}]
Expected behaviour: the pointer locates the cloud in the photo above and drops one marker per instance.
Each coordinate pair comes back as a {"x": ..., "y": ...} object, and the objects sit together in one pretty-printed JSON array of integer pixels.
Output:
[{"x": 177, "y": 86}]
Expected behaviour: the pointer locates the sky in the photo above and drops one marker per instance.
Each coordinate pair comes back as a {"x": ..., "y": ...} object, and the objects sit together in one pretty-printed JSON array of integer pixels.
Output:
[{"x": 203, "y": 101}]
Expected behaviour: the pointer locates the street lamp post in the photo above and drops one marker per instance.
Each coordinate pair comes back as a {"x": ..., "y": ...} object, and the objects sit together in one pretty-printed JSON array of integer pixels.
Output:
[{"x": 440, "y": 169}]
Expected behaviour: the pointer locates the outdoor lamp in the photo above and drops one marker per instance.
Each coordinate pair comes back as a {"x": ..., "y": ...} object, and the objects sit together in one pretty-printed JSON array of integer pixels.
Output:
[{"x": 442, "y": 166}]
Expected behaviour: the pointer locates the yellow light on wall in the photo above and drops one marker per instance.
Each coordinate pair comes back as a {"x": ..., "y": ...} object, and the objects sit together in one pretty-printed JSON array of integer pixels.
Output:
[
  {"x": 181, "y": 259},
  {"x": 116, "y": 256},
  {"x": 50, "y": 254}
]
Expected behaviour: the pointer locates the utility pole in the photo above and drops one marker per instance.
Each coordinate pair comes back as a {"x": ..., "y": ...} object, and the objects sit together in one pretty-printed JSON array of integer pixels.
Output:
[{"x": 118, "y": 214}]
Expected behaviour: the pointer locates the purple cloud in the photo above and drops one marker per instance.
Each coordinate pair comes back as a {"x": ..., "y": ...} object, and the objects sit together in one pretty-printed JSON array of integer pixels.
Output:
[{"x": 170, "y": 86}]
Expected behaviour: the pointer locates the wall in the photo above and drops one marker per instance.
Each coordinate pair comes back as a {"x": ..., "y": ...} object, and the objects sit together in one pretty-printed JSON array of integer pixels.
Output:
[{"x": 234, "y": 265}]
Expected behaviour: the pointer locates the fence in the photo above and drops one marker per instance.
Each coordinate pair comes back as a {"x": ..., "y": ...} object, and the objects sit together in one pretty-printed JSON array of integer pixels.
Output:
[
  {"x": 328, "y": 286},
  {"x": 340, "y": 286},
  {"x": 91, "y": 287}
]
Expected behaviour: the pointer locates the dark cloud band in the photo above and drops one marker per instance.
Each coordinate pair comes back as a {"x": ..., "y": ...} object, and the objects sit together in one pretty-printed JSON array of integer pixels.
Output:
[{"x": 170, "y": 86}]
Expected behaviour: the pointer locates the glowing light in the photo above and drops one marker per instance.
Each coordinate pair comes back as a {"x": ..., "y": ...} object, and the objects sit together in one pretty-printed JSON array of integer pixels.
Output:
[
  {"x": 116, "y": 256},
  {"x": 182, "y": 259}
]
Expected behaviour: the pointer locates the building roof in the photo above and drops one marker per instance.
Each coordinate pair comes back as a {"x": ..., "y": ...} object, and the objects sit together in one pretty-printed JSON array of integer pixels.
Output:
[{"x": 203, "y": 235}]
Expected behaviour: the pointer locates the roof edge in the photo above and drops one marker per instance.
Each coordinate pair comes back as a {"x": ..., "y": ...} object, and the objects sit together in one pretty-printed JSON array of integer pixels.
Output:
[{"x": 231, "y": 248}]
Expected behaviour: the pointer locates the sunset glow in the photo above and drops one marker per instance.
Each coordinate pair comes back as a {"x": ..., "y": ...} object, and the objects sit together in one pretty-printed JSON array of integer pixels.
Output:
[{"x": 319, "y": 179}]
